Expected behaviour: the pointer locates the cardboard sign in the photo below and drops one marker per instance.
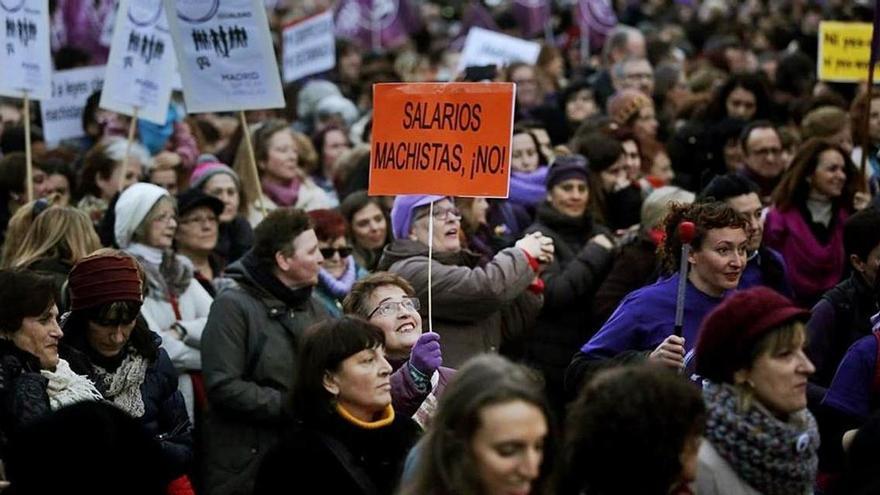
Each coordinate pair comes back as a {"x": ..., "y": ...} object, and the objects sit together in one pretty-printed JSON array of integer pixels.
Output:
[
  {"x": 844, "y": 51},
  {"x": 225, "y": 55},
  {"x": 141, "y": 62},
  {"x": 25, "y": 58},
  {"x": 441, "y": 138},
  {"x": 309, "y": 47},
  {"x": 484, "y": 47},
  {"x": 62, "y": 113}
]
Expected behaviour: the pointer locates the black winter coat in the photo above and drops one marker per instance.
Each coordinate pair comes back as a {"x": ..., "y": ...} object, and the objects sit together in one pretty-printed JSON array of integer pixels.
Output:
[
  {"x": 165, "y": 417},
  {"x": 305, "y": 462},
  {"x": 23, "y": 397},
  {"x": 570, "y": 283}
]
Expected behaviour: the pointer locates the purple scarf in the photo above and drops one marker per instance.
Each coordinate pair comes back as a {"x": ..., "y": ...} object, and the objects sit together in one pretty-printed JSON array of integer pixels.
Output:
[
  {"x": 339, "y": 287},
  {"x": 529, "y": 188},
  {"x": 282, "y": 195}
]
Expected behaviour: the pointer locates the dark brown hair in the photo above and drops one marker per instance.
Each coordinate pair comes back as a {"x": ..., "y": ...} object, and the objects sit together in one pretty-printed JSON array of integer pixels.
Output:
[{"x": 793, "y": 190}]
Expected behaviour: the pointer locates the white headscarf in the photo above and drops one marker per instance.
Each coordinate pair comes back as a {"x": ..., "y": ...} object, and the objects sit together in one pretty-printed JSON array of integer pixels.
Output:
[{"x": 132, "y": 207}]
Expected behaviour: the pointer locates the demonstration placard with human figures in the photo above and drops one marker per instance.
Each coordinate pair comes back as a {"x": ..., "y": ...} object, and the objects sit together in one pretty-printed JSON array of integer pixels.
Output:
[
  {"x": 25, "y": 60},
  {"x": 225, "y": 55},
  {"x": 141, "y": 63},
  {"x": 442, "y": 138}
]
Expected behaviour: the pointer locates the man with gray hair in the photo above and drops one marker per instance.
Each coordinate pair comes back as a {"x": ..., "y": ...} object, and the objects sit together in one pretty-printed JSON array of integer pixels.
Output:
[
  {"x": 633, "y": 73},
  {"x": 623, "y": 41}
]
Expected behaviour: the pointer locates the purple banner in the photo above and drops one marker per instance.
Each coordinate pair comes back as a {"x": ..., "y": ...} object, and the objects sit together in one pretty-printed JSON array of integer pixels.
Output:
[
  {"x": 596, "y": 16},
  {"x": 376, "y": 23},
  {"x": 532, "y": 16}
]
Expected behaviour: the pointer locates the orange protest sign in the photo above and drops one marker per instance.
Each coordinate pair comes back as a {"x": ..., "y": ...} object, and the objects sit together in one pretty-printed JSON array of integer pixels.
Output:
[{"x": 451, "y": 139}]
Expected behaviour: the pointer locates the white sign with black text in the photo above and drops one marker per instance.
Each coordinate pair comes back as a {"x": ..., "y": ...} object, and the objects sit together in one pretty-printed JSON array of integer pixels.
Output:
[
  {"x": 309, "y": 47},
  {"x": 484, "y": 47},
  {"x": 225, "y": 55},
  {"x": 25, "y": 58},
  {"x": 62, "y": 113},
  {"x": 141, "y": 62}
]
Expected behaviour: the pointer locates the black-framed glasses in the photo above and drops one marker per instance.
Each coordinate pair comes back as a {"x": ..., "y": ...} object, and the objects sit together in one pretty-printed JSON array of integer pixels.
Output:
[
  {"x": 442, "y": 214},
  {"x": 388, "y": 308},
  {"x": 330, "y": 251}
]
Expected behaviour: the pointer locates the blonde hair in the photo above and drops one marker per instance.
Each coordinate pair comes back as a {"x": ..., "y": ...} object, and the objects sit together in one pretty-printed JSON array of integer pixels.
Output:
[
  {"x": 18, "y": 227},
  {"x": 60, "y": 232}
]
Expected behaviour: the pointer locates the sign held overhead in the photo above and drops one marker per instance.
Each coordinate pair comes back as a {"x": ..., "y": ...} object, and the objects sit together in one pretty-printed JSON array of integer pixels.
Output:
[{"x": 450, "y": 139}]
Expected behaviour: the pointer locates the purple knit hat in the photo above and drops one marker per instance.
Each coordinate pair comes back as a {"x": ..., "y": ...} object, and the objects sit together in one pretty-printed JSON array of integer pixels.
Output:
[
  {"x": 402, "y": 211},
  {"x": 208, "y": 166}
]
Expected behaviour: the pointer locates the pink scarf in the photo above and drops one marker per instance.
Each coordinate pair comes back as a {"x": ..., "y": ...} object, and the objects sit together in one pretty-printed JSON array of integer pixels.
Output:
[{"x": 282, "y": 195}]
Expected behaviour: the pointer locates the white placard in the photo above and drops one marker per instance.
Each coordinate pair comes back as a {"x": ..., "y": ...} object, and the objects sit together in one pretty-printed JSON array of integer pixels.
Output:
[
  {"x": 62, "y": 113},
  {"x": 25, "y": 57},
  {"x": 484, "y": 47},
  {"x": 309, "y": 47},
  {"x": 225, "y": 55},
  {"x": 141, "y": 62}
]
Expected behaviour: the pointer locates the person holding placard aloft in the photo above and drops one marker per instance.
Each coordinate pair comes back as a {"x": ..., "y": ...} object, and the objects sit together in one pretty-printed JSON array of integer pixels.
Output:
[
  {"x": 471, "y": 303},
  {"x": 282, "y": 178}
]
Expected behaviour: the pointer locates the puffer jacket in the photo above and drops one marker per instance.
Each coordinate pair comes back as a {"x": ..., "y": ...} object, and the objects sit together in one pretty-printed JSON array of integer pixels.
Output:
[
  {"x": 570, "y": 283},
  {"x": 165, "y": 417},
  {"x": 249, "y": 365},
  {"x": 476, "y": 309}
]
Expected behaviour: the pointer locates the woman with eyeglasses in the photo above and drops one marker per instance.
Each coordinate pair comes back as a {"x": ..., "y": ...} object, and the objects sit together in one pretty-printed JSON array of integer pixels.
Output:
[
  {"x": 339, "y": 270},
  {"x": 197, "y": 235},
  {"x": 176, "y": 306},
  {"x": 472, "y": 304},
  {"x": 805, "y": 224},
  {"x": 584, "y": 251},
  {"x": 418, "y": 379}
]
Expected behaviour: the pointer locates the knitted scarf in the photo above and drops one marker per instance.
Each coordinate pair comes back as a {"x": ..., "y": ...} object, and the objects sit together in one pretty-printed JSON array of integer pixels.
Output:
[
  {"x": 123, "y": 386},
  {"x": 282, "y": 195},
  {"x": 168, "y": 275},
  {"x": 774, "y": 457},
  {"x": 339, "y": 287},
  {"x": 66, "y": 387},
  {"x": 529, "y": 188}
]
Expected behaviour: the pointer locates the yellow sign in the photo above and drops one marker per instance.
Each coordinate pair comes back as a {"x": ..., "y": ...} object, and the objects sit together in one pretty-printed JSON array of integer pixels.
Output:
[{"x": 844, "y": 51}]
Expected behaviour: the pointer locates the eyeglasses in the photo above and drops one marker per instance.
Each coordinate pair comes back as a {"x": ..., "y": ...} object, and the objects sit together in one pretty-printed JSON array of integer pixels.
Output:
[
  {"x": 387, "y": 308},
  {"x": 201, "y": 220},
  {"x": 329, "y": 252},
  {"x": 165, "y": 218},
  {"x": 442, "y": 214}
]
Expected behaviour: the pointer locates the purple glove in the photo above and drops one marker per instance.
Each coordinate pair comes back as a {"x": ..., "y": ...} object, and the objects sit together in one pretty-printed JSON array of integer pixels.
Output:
[{"x": 425, "y": 355}]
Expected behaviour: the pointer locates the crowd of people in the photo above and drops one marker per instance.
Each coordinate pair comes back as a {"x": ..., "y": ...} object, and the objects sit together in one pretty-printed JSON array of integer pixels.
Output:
[{"x": 177, "y": 319}]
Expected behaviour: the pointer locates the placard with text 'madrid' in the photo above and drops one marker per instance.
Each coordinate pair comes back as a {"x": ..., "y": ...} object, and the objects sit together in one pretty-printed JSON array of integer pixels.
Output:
[{"x": 225, "y": 55}]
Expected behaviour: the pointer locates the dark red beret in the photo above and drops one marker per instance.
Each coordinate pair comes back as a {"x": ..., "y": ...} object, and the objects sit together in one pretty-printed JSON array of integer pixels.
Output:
[{"x": 729, "y": 332}]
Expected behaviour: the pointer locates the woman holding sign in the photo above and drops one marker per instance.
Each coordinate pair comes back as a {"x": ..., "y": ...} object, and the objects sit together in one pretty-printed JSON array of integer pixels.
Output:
[
  {"x": 471, "y": 303},
  {"x": 281, "y": 179}
]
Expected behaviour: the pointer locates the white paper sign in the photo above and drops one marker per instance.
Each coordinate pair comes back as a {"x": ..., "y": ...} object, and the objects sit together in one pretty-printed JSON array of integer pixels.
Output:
[
  {"x": 225, "y": 55},
  {"x": 62, "y": 113},
  {"x": 25, "y": 58},
  {"x": 309, "y": 47},
  {"x": 141, "y": 62},
  {"x": 484, "y": 47}
]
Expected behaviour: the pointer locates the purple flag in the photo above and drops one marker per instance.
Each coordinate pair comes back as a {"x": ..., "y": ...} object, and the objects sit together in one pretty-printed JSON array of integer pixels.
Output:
[
  {"x": 376, "y": 23},
  {"x": 532, "y": 16},
  {"x": 596, "y": 15}
]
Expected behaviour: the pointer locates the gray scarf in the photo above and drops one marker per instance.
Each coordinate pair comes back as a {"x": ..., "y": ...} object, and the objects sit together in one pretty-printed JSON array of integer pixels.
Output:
[{"x": 774, "y": 457}]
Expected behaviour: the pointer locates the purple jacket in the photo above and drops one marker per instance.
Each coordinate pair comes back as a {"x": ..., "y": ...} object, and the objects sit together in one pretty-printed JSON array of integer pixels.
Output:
[
  {"x": 813, "y": 268},
  {"x": 406, "y": 398},
  {"x": 646, "y": 317},
  {"x": 850, "y": 391}
]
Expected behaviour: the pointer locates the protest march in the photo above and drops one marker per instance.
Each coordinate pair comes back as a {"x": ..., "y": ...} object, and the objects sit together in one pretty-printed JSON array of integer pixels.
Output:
[{"x": 439, "y": 247}]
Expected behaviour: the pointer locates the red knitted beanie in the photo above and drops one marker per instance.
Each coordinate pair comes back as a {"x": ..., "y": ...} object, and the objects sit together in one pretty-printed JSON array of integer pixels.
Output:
[{"x": 104, "y": 278}]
